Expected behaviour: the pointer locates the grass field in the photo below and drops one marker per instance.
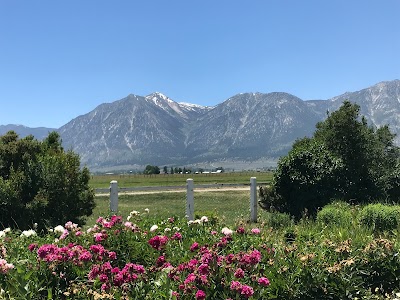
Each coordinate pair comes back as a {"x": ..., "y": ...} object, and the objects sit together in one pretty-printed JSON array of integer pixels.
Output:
[
  {"x": 230, "y": 206},
  {"x": 125, "y": 180}
]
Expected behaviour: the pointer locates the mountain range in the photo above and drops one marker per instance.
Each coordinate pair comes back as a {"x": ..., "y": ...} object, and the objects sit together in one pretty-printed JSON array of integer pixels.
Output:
[{"x": 248, "y": 127}]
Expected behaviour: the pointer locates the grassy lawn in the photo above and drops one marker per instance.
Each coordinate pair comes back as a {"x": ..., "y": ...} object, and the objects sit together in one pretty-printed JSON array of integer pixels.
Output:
[
  {"x": 126, "y": 180},
  {"x": 230, "y": 206}
]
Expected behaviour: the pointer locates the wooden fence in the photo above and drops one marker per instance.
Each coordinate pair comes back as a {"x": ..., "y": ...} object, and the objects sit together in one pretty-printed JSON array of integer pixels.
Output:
[{"x": 189, "y": 195}]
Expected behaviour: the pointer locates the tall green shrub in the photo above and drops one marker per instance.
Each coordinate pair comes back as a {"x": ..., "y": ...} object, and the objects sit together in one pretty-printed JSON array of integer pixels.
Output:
[
  {"x": 345, "y": 159},
  {"x": 41, "y": 183}
]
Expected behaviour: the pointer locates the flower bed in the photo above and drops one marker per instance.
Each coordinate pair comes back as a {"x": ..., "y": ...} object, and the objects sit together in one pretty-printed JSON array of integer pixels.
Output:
[{"x": 143, "y": 258}]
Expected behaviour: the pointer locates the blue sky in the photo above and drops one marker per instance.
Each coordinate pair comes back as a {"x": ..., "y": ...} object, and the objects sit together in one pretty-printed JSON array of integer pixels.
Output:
[{"x": 60, "y": 59}]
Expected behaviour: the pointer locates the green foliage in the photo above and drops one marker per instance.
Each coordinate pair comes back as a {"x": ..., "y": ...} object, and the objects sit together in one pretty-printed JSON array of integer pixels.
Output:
[
  {"x": 151, "y": 170},
  {"x": 338, "y": 213},
  {"x": 278, "y": 220},
  {"x": 380, "y": 217},
  {"x": 345, "y": 159},
  {"x": 40, "y": 183},
  {"x": 301, "y": 261}
]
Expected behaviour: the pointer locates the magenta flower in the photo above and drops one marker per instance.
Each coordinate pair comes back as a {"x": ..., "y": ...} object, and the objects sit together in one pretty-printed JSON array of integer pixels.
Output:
[
  {"x": 236, "y": 286},
  {"x": 194, "y": 247},
  {"x": 240, "y": 230},
  {"x": 203, "y": 269},
  {"x": 255, "y": 231},
  {"x": 158, "y": 242},
  {"x": 247, "y": 291},
  {"x": 200, "y": 295},
  {"x": 177, "y": 236},
  {"x": 190, "y": 278},
  {"x": 239, "y": 273},
  {"x": 103, "y": 278},
  {"x": 85, "y": 256},
  {"x": 32, "y": 247},
  {"x": 263, "y": 281}
]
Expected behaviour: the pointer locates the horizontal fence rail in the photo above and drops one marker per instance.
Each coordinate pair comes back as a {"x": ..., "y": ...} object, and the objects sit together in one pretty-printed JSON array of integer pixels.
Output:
[
  {"x": 113, "y": 190},
  {"x": 174, "y": 187}
]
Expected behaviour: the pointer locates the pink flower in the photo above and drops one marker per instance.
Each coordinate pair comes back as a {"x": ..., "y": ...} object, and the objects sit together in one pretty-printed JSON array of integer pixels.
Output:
[
  {"x": 177, "y": 236},
  {"x": 32, "y": 247},
  {"x": 239, "y": 273},
  {"x": 100, "y": 237},
  {"x": 255, "y": 231},
  {"x": 200, "y": 295},
  {"x": 236, "y": 285},
  {"x": 226, "y": 231},
  {"x": 112, "y": 255},
  {"x": 98, "y": 249},
  {"x": 190, "y": 278},
  {"x": 64, "y": 235},
  {"x": 263, "y": 281},
  {"x": 194, "y": 246},
  {"x": 203, "y": 269},
  {"x": 103, "y": 278},
  {"x": 240, "y": 230},
  {"x": 247, "y": 291},
  {"x": 158, "y": 242},
  {"x": 85, "y": 256},
  {"x": 5, "y": 266}
]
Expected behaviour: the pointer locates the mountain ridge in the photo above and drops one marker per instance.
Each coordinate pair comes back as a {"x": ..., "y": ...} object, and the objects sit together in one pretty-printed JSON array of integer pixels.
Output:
[{"x": 155, "y": 129}]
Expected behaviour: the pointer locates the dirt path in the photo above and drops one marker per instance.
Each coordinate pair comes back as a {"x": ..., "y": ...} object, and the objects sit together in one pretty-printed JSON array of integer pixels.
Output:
[{"x": 200, "y": 190}]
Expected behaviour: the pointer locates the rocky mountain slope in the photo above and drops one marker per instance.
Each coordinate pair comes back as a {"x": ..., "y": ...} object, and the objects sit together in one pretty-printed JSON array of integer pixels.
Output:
[{"x": 156, "y": 130}]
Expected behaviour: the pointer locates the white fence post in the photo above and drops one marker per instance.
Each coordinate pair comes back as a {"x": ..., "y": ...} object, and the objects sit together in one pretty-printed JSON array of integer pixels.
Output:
[
  {"x": 114, "y": 196},
  {"x": 189, "y": 199},
  {"x": 253, "y": 199}
]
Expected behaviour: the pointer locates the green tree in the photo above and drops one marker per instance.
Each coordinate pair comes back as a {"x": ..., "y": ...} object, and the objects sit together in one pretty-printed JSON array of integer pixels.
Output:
[
  {"x": 171, "y": 171},
  {"x": 40, "y": 183},
  {"x": 165, "y": 170},
  {"x": 149, "y": 170},
  {"x": 345, "y": 159}
]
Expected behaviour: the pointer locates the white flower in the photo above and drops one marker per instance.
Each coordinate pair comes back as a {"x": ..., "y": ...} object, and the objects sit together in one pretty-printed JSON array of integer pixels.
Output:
[
  {"x": 134, "y": 213},
  {"x": 190, "y": 222},
  {"x": 59, "y": 229},
  {"x": 176, "y": 228},
  {"x": 2, "y": 234},
  {"x": 147, "y": 210},
  {"x": 167, "y": 229},
  {"x": 197, "y": 221},
  {"x": 226, "y": 231},
  {"x": 8, "y": 229},
  {"x": 204, "y": 219},
  {"x": 28, "y": 233},
  {"x": 153, "y": 228},
  {"x": 128, "y": 217}
]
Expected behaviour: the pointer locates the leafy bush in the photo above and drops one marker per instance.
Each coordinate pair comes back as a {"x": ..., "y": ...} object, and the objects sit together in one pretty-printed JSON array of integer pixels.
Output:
[
  {"x": 278, "y": 220},
  {"x": 41, "y": 183},
  {"x": 337, "y": 213},
  {"x": 380, "y": 217},
  {"x": 345, "y": 159}
]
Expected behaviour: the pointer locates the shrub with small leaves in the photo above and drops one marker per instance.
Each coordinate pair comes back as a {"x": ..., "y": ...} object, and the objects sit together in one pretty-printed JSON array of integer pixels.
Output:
[
  {"x": 337, "y": 213},
  {"x": 380, "y": 217}
]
